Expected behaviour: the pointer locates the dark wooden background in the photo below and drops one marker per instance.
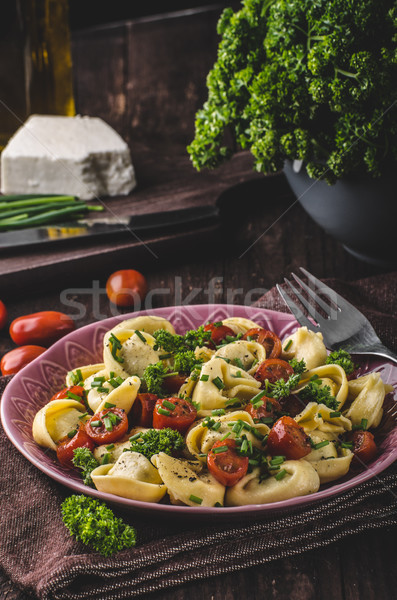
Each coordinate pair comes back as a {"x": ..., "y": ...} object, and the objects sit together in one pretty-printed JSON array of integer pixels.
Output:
[{"x": 147, "y": 79}]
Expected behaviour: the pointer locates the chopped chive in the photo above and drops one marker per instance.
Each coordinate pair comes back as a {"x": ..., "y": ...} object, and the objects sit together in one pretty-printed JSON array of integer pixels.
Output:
[
  {"x": 244, "y": 445},
  {"x": 72, "y": 396},
  {"x": 101, "y": 379},
  {"x": 258, "y": 397},
  {"x": 106, "y": 458},
  {"x": 116, "y": 345},
  {"x": 216, "y": 426},
  {"x": 239, "y": 364},
  {"x": 266, "y": 420},
  {"x": 109, "y": 405},
  {"x": 204, "y": 377},
  {"x": 287, "y": 345},
  {"x": 218, "y": 382},
  {"x": 218, "y": 504},
  {"x": 195, "y": 499},
  {"x": 258, "y": 404},
  {"x": 218, "y": 412},
  {"x": 202, "y": 455},
  {"x": 135, "y": 437},
  {"x": 141, "y": 337},
  {"x": 83, "y": 415},
  {"x": 108, "y": 424},
  {"x": 164, "y": 412},
  {"x": 281, "y": 474},
  {"x": 169, "y": 404},
  {"x": 237, "y": 374},
  {"x": 237, "y": 428},
  {"x": 348, "y": 445},
  {"x": 103, "y": 390},
  {"x": 72, "y": 433},
  {"x": 253, "y": 462},
  {"x": 321, "y": 444},
  {"x": 112, "y": 374},
  {"x": 114, "y": 383},
  {"x": 278, "y": 459},
  {"x": 110, "y": 447},
  {"x": 364, "y": 424},
  {"x": 96, "y": 423},
  {"x": 225, "y": 436},
  {"x": 220, "y": 449},
  {"x": 335, "y": 414},
  {"x": 225, "y": 359}
]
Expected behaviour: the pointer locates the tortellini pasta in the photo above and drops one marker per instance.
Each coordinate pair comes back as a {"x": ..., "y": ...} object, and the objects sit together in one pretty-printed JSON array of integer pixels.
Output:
[
  {"x": 330, "y": 460},
  {"x": 307, "y": 345},
  {"x": 55, "y": 420},
  {"x": 322, "y": 418},
  {"x": 368, "y": 393},
  {"x": 244, "y": 354}
]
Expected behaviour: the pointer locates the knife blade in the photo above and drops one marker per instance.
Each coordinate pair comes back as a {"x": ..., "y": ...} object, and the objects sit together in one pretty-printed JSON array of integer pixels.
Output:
[{"x": 110, "y": 226}]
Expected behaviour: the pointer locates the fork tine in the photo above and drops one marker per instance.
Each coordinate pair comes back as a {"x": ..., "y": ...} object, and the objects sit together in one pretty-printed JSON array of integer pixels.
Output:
[
  {"x": 326, "y": 307},
  {"x": 310, "y": 309},
  {"x": 340, "y": 302},
  {"x": 294, "y": 308}
]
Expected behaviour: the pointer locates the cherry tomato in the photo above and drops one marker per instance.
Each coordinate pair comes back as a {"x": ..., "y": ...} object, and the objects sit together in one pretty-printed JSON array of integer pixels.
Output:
[
  {"x": 269, "y": 340},
  {"x": 287, "y": 438},
  {"x": 43, "y": 328},
  {"x": 179, "y": 418},
  {"x": 218, "y": 332},
  {"x": 16, "y": 359},
  {"x": 3, "y": 315},
  {"x": 293, "y": 405},
  {"x": 364, "y": 446},
  {"x": 125, "y": 287},
  {"x": 108, "y": 426},
  {"x": 227, "y": 467},
  {"x": 76, "y": 390},
  {"x": 173, "y": 384},
  {"x": 267, "y": 410},
  {"x": 142, "y": 410},
  {"x": 273, "y": 369},
  {"x": 67, "y": 444}
]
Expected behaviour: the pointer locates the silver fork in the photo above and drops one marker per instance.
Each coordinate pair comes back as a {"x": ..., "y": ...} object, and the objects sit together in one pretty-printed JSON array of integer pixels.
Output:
[{"x": 343, "y": 325}]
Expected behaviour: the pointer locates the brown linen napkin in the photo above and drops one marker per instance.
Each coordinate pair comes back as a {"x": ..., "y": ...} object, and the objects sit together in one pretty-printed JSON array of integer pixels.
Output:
[{"x": 38, "y": 554}]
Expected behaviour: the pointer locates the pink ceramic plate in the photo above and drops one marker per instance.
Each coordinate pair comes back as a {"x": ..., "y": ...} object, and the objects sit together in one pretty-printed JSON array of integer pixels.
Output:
[{"x": 33, "y": 387}]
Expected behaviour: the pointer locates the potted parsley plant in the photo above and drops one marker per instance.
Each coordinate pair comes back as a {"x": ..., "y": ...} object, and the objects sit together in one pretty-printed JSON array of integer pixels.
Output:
[{"x": 310, "y": 87}]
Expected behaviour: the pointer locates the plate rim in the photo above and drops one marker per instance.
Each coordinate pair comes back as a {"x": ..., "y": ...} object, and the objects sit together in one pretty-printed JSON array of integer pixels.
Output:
[{"x": 254, "y": 510}]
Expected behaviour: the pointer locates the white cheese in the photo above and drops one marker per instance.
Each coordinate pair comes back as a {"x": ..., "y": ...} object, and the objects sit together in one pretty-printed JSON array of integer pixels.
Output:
[{"x": 78, "y": 156}]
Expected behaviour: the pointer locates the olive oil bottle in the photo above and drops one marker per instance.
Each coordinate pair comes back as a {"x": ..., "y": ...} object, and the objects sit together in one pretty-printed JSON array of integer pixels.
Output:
[{"x": 35, "y": 62}]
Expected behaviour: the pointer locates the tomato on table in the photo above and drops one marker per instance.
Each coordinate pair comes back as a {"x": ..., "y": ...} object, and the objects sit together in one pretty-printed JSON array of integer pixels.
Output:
[
  {"x": 273, "y": 369},
  {"x": 74, "y": 392},
  {"x": 287, "y": 438},
  {"x": 364, "y": 446},
  {"x": 43, "y": 328},
  {"x": 3, "y": 315},
  {"x": 70, "y": 442},
  {"x": 14, "y": 360},
  {"x": 267, "y": 410},
  {"x": 108, "y": 426},
  {"x": 218, "y": 332},
  {"x": 268, "y": 339},
  {"x": 142, "y": 410},
  {"x": 125, "y": 287},
  {"x": 176, "y": 413},
  {"x": 225, "y": 464}
]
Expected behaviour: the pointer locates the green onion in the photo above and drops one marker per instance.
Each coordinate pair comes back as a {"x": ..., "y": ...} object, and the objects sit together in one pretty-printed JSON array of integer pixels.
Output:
[
  {"x": 321, "y": 444},
  {"x": 134, "y": 437},
  {"x": 72, "y": 433},
  {"x": 287, "y": 345},
  {"x": 109, "y": 405},
  {"x": 72, "y": 396},
  {"x": 102, "y": 389},
  {"x": 101, "y": 379},
  {"x": 141, "y": 337},
  {"x": 164, "y": 412},
  {"x": 258, "y": 397},
  {"x": 96, "y": 423},
  {"x": 237, "y": 374},
  {"x": 110, "y": 447},
  {"x": 348, "y": 445},
  {"x": 335, "y": 414},
  {"x": 220, "y": 449},
  {"x": 108, "y": 423},
  {"x": 83, "y": 415},
  {"x": 239, "y": 364},
  {"x": 204, "y": 377},
  {"x": 195, "y": 499},
  {"x": 169, "y": 404},
  {"x": 218, "y": 412},
  {"x": 218, "y": 504},
  {"x": 105, "y": 458},
  {"x": 217, "y": 426},
  {"x": 281, "y": 474},
  {"x": 364, "y": 424},
  {"x": 217, "y": 381},
  {"x": 225, "y": 436}
]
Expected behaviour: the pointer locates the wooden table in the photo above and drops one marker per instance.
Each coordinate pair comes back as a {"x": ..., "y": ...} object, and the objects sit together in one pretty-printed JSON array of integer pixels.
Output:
[{"x": 265, "y": 236}]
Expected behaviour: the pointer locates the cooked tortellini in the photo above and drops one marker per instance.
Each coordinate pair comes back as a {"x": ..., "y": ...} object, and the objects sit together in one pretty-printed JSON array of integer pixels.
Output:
[{"x": 229, "y": 429}]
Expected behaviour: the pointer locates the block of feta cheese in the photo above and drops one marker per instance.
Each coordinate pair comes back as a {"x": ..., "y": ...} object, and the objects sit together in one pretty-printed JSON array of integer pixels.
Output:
[{"x": 79, "y": 156}]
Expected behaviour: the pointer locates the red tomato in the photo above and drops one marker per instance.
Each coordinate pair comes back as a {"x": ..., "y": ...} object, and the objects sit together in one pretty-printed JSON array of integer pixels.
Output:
[
  {"x": 273, "y": 369},
  {"x": 125, "y": 287},
  {"x": 267, "y": 410},
  {"x": 77, "y": 390},
  {"x": 293, "y": 405},
  {"x": 67, "y": 445},
  {"x": 287, "y": 438},
  {"x": 218, "y": 332},
  {"x": 16, "y": 359},
  {"x": 179, "y": 418},
  {"x": 173, "y": 384},
  {"x": 43, "y": 328},
  {"x": 104, "y": 428},
  {"x": 364, "y": 446},
  {"x": 142, "y": 410},
  {"x": 269, "y": 340},
  {"x": 3, "y": 315},
  {"x": 227, "y": 467}
]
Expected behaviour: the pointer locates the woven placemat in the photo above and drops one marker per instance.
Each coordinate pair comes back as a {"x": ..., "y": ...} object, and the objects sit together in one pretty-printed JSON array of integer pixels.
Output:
[{"x": 38, "y": 554}]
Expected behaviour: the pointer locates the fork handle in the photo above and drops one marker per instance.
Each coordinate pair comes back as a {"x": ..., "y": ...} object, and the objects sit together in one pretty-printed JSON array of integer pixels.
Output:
[{"x": 379, "y": 350}]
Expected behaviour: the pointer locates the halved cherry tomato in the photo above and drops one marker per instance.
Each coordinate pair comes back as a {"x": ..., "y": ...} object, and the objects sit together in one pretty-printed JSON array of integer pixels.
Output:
[
  {"x": 76, "y": 390},
  {"x": 179, "y": 418},
  {"x": 16, "y": 359},
  {"x": 3, "y": 315},
  {"x": 227, "y": 467},
  {"x": 269, "y": 340},
  {"x": 43, "y": 328},
  {"x": 218, "y": 332},
  {"x": 364, "y": 446},
  {"x": 287, "y": 438},
  {"x": 125, "y": 287},
  {"x": 273, "y": 369},
  {"x": 67, "y": 445},
  {"x": 108, "y": 426},
  {"x": 267, "y": 410},
  {"x": 293, "y": 405},
  {"x": 142, "y": 410},
  {"x": 173, "y": 384}
]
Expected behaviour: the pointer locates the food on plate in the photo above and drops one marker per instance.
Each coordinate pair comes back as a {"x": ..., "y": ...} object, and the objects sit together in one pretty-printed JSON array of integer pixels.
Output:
[
  {"x": 81, "y": 156},
  {"x": 3, "y": 315},
  {"x": 227, "y": 414},
  {"x": 14, "y": 360},
  {"x": 42, "y": 328},
  {"x": 126, "y": 287}
]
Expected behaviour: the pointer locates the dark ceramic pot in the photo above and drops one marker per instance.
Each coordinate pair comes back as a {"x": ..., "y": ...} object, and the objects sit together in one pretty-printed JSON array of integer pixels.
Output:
[{"x": 360, "y": 212}]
